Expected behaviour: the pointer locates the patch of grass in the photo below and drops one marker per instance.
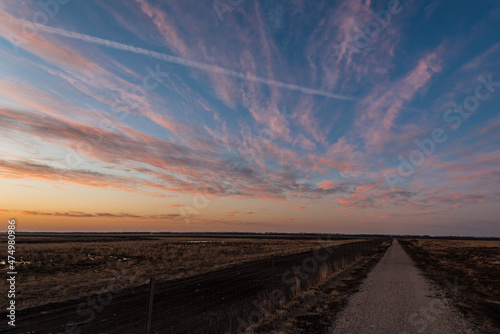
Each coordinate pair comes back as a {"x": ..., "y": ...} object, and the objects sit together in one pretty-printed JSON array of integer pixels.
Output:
[
  {"x": 468, "y": 271},
  {"x": 314, "y": 310},
  {"x": 54, "y": 269}
]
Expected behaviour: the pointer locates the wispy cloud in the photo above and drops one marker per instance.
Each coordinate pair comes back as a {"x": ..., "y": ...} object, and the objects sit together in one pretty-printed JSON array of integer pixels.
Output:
[
  {"x": 188, "y": 63},
  {"x": 79, "y": 214},
  {"x": 232, "y": 213},
  {"x": 265, "y": 110}
]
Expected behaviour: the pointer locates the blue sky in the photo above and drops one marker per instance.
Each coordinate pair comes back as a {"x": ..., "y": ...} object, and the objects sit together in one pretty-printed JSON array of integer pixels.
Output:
[{"x": 289, "y": 116}]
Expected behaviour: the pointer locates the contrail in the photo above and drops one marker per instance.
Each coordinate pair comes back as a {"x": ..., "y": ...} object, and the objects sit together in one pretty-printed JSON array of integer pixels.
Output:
[{"x": 185, "y": 62}]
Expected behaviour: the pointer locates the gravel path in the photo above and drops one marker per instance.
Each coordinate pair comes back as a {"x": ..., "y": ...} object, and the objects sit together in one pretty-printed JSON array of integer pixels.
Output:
[{"x": 396, "y": 298}]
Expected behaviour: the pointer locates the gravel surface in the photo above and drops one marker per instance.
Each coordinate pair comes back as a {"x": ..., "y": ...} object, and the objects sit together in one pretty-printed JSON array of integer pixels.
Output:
[{"x": 396, "y": 298}]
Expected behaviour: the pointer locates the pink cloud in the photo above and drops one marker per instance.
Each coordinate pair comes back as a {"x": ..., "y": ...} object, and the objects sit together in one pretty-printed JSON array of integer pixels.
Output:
[
  {"x": 326, "y": 184},
  {"x": 79, "y": 214},
  {"x": 385, "y": 217},
  {"x": 12, "y": 29},
  {"x": 346, "y": 212},
  {"x": 232, "y": 213},
  {"x": 305, "y": 143},
  {"x": 341, "y": 156},
  {"x": 381, "y": 108},
  {"x": 164, "y": 22},
  {"x": 308, "y": 121}
]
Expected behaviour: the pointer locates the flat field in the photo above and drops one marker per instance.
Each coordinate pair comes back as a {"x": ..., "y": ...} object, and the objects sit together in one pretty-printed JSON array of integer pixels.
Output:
[
  {"x": 62, "y": 267},
  {"x": 469, "y": 272}
]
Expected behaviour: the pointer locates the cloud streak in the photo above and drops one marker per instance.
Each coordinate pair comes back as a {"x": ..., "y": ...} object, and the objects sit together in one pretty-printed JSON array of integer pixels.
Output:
[
  {"x": 186, "y": 62},
  {"x": 79, "y": 214}
]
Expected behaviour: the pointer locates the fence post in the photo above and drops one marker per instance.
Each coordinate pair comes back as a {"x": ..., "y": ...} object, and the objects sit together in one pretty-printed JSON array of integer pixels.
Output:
[
  {"x": 272, "y": 283},
  {"x": 149, "y": 311}
]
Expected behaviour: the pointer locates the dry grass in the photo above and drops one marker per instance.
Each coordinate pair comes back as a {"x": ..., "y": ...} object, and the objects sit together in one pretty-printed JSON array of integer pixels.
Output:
[
  {"x": 478, "y": 261},
  {"x": 476, "y": 267},
  {"x": 53, "y": 270},
  {"x": 458, "y": 243},
  {"x": 313, "y": 309}
]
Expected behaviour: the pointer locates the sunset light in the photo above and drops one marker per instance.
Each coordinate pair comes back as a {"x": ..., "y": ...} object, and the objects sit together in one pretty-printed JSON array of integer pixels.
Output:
[{"x": 269, "y": 116}]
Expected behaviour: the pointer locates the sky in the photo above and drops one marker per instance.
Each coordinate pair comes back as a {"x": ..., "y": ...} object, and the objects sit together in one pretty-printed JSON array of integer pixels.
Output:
[{"x": 263, "y": 116}]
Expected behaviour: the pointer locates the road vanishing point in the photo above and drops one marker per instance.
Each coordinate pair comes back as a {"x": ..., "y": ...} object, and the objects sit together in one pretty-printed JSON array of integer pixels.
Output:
[{"x": 396, "y": 298}]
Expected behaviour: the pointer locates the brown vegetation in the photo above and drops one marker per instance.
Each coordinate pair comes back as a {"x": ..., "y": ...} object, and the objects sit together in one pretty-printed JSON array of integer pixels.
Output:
[
  {"x": 469, "y": 272},
  {"x": 314, "y": 310},
  {"x": 55, "y": 269}
]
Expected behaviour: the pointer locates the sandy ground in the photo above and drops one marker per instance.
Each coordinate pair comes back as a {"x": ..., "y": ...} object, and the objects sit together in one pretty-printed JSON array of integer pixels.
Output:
[{"x": 396, "y": 298}]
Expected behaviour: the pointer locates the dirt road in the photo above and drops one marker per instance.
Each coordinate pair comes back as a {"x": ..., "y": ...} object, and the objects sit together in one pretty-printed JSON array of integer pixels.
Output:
[{"x": 396, "y": 298}]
